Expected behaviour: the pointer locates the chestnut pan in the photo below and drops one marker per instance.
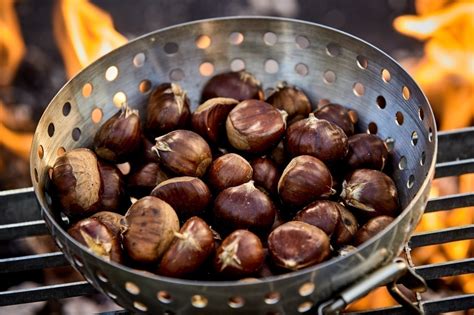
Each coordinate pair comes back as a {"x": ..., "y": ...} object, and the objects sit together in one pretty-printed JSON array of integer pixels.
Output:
[{"x": 325, "y": 63}]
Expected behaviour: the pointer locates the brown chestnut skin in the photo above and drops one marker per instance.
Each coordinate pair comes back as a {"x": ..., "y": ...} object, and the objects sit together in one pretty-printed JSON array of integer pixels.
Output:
[
  {"x": 339, "y": 115},
  {"x": 113, "y": 221},
  {"x": 290, "y": 99},
  {"x": 240, "y": 255},
  {"x": 189, "y": 250},
  {"x": 304, "y": 180},
  {"x": 323, "y": 214},
  {"x": 208, "y": 120},
  {"x": 144, "y": 178},
  {"x": 119, "y": 137},
  {"x": 279, "y": 155},
  {"x": 113, "y": 195},
  {"x": 98, "y": 238},
  {"x": 167, "y": 109},
  {"x": 318, "y": 138},
  {"x": 295, "y": 245},
  {"x": 240, "y": 85},
  {"x": 371, "y": 228},
  {"x": 346, "y": 227},
  {"x": 76, "y": 179},
  {"x": 244, "y": 207},
  {"x": 149, "y": 227},
  {"x": 255, "y": 126},
  {"x": 229, "y": 170},
  {"x": 187, "y": 195},
  {"x": 371, "y": 191},
  {"x": 266, "y": 174},
  {"x": 184, "y": 153},
  {"x": 366, "y": 151}
]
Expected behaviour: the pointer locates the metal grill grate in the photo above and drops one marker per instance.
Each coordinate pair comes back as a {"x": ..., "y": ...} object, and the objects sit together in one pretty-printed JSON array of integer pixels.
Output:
[{"x": 20, "y": 216}]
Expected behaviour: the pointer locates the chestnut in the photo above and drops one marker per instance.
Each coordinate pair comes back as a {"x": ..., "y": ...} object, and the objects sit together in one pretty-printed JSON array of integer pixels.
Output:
[
  {"x": 244, "y": 207},
  {"x": 366, "y": 151},
  {"x": 240, "y": 255},
  {"x": 119, "y": 137},
  {"x": 208, "y": 120},
  {"x": 371, "y": 191},
  {"x": 339, "y": 115},
  {"x": 78, "y": 179},
  {"x": 98, "y": 238},
  {"x": 184, "y": 152},
  {"x": 346, "y": 227},
  {"x": 266, "y": 174},
  {"x": 323, "y": 214},
  {"x": 255, "y": 126},
  {"x": 167, "y": 109},
  {"x": 278, "y": 154},
  {"x": 189, "y": 250},
  {"x": 240, "y": 85},
  {"x": 305, "y": 179},
  {"x": 290, "y": 99},
  {"x": 113, "y": 221},
  {"x": 229, "y": 170},
  {"x": 371, "y": 228},
  {"x": 187, "y": 195},
  {"x": 144, "y": 178},
  {"x": 149, "y": 227},
  {"x": 316, "y": 137},
  {"x": 295, "y": 245}
]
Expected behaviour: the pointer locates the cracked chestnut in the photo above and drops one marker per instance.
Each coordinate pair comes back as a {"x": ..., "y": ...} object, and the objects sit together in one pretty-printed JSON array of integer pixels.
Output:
[
  {"x": 371, "y": 191},
  {"x": 339, "y": 115},
  {"x": 240, "y": 85},
  {"x": 323, "y": 214},
  {"x": 240, "y": 255},
  {"x": 167, "y": 109},
  {"x": 290, "y": 99},
  {"x": 184, "y": 153},
  {"x": 366, "y": 151},
  {"x": 229, "y": 170},
  {"x": 305, "y": 179},
  {"x": 316, "y": 137},
  {"x": 266, "y": 174},
  {"x": 255, "y": 126},
  {"x": 371, "y": 228},
  {"x": 190, "y": 248},
  {"x": 295, "y": 245}
]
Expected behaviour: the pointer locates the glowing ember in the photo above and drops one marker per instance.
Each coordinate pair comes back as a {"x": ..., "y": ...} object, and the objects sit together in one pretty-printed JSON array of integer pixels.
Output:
[
  {"x": 12, "y": 47},
  {"x": 83, "y": 33}
]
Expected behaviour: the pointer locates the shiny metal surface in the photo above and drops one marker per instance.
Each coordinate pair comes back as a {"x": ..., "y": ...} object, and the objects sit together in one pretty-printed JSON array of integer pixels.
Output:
[{"x": 325, "y": 63}]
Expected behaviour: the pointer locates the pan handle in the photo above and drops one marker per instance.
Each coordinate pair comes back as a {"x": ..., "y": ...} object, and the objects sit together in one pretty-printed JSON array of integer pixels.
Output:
[{"x": 388, "y": 275}]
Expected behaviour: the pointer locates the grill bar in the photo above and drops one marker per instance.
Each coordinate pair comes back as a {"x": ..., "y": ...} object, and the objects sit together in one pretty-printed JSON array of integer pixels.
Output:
[
  {"x": 442, "y": 236},
  {"x": 22, "y": 229},
  {"x": 446, "y": 269},
  {"x": 450, "y": 202},
  {"x": 32, "y": 262}
]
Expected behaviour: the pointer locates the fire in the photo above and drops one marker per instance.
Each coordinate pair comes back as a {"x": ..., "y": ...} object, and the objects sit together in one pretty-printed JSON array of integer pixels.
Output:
[{"x": 83, "y": 33}]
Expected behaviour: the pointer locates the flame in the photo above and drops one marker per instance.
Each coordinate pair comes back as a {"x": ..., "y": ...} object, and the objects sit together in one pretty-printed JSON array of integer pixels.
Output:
[
  {"x": 12, "y": 47},
  {"x": 83, "y": 33}
]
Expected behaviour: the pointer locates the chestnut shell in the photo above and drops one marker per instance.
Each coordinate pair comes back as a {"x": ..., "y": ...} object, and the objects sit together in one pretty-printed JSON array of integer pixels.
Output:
[
  {"x": 290, "y": 99},
  {"x": 323, "y": 214},
  {"x": 240, "y": 85},
  {"x": 366, "y": 151},
  {"x": 266, "y": 174},
  {"x": 229, "y": 170},
  {"x": 371, "y": 228},
  {"x": 339, "y": 115}
]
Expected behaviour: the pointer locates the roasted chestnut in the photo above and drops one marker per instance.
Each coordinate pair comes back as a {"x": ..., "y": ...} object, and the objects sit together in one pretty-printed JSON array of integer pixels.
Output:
[
  {"x": 149, "y": 227},
  {"x": 184, "y": 152},
  {"x": 209, "y": 118},
  {"x": 98, "y": 238},
  {"x": 323, "y": 214},
  {"x": 346, "y": 227},
  {"x": 318, "y": 138},
  {"x": 229, "y": 170},
  {"x": 371, "y": 191},
  {"x": 189, "y": 250},
  {"x": 113, "y": 221},
  {"x": 244, "y": 207},
  {"x": 113, "y": 194},
  {"x": 295, "y": 245},
  {"x": 187, "y": 195},
  {"x": 255, "y": 126},
  {"x": 339, "y": 115},
  {"x": 240, "y": 85},
  {"x": 266, "y": 174},
  {"x": 119, "y": 137},
  {"x": 144, "y": 178},
  {"x": 371, "y": 228},
  {"x": 305, "y": 179},
  {"x": 290, "y": 99},
  {"x": 167, "y": 109},
  {"x": 279, "y": 155},
  {"x": 240, "y": 255},
  {"x": 366, "y": 151}
]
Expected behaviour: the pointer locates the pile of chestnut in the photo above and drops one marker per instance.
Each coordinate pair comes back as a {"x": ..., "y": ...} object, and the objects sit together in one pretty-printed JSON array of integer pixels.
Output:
[{"x": 243, "y": 187}]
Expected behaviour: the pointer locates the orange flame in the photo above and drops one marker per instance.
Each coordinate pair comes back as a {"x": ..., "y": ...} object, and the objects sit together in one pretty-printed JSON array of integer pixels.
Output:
[
  {"x": 83, "y": 33},
  {"x": 12, "y": 47}
]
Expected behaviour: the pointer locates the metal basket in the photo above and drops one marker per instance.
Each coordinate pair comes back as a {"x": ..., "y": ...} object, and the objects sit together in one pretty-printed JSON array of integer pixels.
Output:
[{"x": 325, "y": 63}]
